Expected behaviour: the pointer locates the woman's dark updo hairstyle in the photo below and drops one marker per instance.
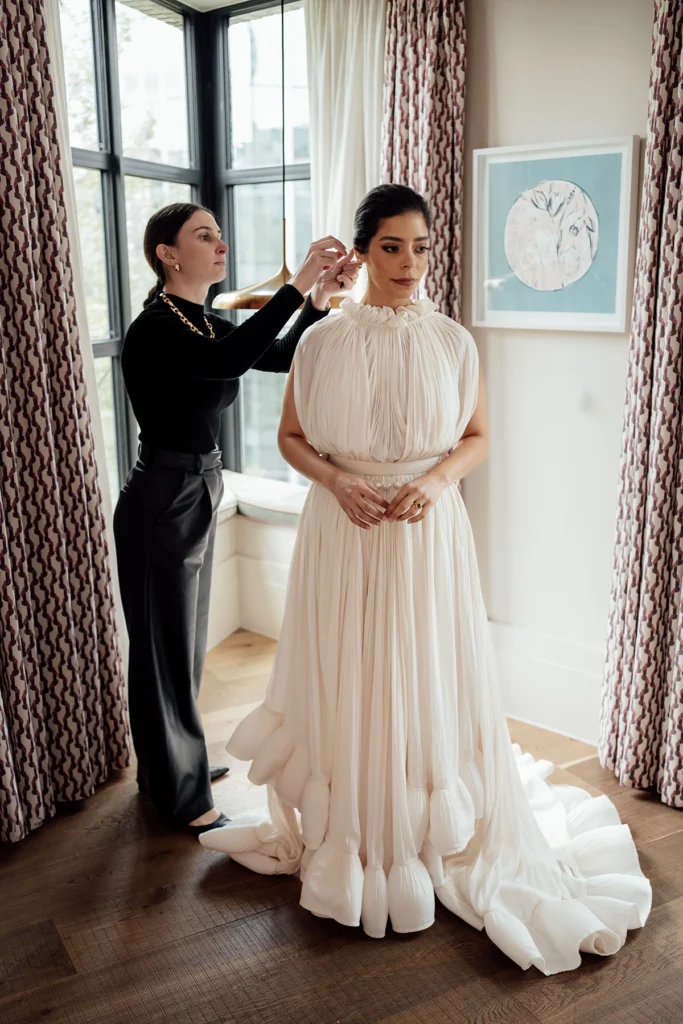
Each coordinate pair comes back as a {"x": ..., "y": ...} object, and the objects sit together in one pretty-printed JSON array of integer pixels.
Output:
[
  {"x": 381, "y": 203},
  {"x": 162, "y": 229}
]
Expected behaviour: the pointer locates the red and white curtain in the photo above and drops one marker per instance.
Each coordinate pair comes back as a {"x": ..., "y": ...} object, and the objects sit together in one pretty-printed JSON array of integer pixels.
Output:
[
  {"x": 641, "y": 727},
  {"x": 62, "y": 708},
  {"x": 423, "y": 127}
]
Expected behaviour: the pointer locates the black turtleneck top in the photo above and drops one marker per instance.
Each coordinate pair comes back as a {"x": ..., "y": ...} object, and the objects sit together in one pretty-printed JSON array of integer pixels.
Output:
[{"x": 179, "y": 382}]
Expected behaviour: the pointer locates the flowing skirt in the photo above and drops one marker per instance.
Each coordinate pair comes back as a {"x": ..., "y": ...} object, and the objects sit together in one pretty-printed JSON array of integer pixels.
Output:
[{"x": 390, "y": 771}]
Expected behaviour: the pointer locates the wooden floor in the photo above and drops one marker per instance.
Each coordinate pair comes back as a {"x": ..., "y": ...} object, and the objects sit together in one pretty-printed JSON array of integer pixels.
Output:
[{"x": 106, "y": 918}]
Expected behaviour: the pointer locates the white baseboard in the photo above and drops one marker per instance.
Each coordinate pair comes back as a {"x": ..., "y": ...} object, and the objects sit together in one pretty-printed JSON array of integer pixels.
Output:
[{"x": 549, "y": 682}]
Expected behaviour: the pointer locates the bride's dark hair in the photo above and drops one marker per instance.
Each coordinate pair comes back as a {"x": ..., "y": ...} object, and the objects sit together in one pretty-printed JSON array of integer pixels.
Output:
[
  {"x": 162, "y": 229},
  {"x": 383, "y": 202}
]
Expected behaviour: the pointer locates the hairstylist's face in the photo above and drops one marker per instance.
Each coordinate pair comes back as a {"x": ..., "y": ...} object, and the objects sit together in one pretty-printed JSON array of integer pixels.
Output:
[
  {"x": 199, "y": 251},
  {"x": 398, "y": 255}
]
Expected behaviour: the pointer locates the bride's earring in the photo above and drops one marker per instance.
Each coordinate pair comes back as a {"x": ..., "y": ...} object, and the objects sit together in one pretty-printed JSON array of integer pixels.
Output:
[{"x": 176, "y": 267}]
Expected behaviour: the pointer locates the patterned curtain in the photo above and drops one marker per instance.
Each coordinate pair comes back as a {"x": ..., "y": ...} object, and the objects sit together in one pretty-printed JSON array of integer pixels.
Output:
[
  {"x": 641, "y": 726},
  {"x": 62, "y": 710},
  {"x": 423, "y": 127}
]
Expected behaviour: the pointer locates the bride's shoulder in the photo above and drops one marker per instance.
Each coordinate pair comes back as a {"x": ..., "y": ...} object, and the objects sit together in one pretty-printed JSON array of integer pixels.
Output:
[
  {"x": 453, "y": 329},
  {"x": 314, "y": 336}
]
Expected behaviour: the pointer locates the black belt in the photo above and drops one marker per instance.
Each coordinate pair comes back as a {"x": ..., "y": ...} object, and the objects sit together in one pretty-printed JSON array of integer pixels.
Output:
[{"x": 180, "y": 460}]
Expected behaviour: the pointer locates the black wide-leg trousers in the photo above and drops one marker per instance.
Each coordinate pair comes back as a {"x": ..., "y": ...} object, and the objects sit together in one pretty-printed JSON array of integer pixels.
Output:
[{"x": 165, "y": 527}]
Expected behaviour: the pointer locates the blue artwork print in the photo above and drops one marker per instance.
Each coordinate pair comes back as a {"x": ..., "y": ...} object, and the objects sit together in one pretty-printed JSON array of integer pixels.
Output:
[{"x": 554, "y": 234}]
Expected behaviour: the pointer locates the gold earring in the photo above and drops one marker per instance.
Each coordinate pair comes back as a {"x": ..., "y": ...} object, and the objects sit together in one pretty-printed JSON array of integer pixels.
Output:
[{"x": 176, "y": 267}]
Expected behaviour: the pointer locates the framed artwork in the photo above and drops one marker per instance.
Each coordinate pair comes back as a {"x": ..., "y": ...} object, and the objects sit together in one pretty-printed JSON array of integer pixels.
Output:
[{"x": 554, "y": 235}]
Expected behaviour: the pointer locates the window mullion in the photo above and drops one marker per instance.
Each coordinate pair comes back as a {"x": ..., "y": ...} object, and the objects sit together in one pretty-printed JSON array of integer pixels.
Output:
[
  {"x": 115, "y": 221},
  {"x": 231, "y": 422},
  {"x": 240, "y": 448},
  {"x": 231, "y": 427},
  {"x": 159, "y": 172}
]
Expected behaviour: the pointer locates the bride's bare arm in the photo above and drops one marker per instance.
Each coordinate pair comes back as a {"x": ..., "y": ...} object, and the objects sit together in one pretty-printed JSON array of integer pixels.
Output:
[
  {"x": 470, "y": 451},
  {"x": 362, "y": 502},
  {"x": 473, "y": 447}
]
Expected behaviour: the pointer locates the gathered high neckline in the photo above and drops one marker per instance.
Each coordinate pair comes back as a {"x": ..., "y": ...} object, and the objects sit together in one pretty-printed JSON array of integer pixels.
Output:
[{"x": 385, "y": 315}]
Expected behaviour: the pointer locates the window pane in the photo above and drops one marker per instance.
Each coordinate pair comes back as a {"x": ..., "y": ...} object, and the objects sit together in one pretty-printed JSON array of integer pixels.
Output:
[
  {"x": 261, "y": 409},
  {"x": 258, "y": 228},
  {"x": 79, "y": 71},
  {"x": 262, "y": 395},
  {"x": 151, "y": 48},
  {"x": 143, "y": 197},
  {"x": 255, "y": 90},
  {"x": 105, "y": 394},
  {"x": 93, "y": 251}
]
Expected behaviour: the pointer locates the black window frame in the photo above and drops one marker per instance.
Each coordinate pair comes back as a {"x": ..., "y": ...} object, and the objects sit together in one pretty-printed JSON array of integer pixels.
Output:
[
  {"x": 209, "y": 174},
  {"x": 113, "y": 166},
  {"x": 227, "y": 177}
]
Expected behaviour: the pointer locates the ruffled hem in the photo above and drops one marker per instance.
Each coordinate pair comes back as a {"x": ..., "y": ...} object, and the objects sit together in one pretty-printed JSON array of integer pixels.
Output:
[
  {"x": 603, "y": 892},
  {"x": 606, "y": 893},
  {"x": 446, "y": 815}
]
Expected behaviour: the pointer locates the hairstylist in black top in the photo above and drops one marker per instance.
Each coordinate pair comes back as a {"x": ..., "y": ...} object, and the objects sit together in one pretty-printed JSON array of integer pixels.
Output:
[{"x": 181, "y": 367}]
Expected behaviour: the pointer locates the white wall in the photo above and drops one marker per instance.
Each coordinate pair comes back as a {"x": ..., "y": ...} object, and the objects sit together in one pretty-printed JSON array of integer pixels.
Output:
[{"x": 543, "y": 507}]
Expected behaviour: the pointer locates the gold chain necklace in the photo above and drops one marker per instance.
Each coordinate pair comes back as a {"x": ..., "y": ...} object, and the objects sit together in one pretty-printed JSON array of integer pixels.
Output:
[{"x": 188, "y": 323}]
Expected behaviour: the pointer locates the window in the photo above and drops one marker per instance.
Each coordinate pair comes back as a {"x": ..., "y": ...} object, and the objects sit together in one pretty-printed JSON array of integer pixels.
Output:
[
  {"x": 143, "y": 197},
  {"x": 151, "y": 48},
  {"x": 255, "y": 89},
  {"x": 90, "y": 212},
  {"x": 257, "y": 227},
  {"x": 149, "y": 83},
  {"x": 253, "y": 200},
  {"x": 132, "y": 129},
  {"x": 79, "y": 66},
  {"x": 105, "y": 394}
]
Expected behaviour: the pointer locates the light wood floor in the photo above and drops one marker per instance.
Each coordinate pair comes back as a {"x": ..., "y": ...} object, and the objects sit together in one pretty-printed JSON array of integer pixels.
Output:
[{"x": 108, "y": 918}]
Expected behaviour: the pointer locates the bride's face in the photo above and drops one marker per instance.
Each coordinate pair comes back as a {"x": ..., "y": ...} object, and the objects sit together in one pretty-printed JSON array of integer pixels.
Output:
[{"x": 398, "y": 255}]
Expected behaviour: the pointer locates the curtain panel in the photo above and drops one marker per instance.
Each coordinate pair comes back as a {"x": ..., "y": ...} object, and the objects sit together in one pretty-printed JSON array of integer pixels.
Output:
[
  {"x": 641, "y": 723},
  {"x": 62, "y": 706}
]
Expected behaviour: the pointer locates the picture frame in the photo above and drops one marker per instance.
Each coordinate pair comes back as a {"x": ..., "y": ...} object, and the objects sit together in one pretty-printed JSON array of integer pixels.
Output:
[{"x": 554, "y": 235}]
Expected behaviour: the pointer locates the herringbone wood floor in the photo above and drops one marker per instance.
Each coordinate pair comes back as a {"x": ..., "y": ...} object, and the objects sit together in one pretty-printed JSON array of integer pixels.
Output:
[{"x": 108, "y": 918}]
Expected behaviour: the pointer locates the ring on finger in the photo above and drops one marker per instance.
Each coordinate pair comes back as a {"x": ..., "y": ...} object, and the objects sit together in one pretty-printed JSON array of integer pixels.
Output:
[{"x": 418, "y": 504}]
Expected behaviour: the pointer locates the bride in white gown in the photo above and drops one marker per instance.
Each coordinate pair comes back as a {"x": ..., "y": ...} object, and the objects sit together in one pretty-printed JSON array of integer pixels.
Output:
[{"x": 382, "y": 738}]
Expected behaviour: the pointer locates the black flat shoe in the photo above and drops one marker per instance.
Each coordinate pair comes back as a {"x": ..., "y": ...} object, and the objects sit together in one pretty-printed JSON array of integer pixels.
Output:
[{"x": 196, "y": 830}]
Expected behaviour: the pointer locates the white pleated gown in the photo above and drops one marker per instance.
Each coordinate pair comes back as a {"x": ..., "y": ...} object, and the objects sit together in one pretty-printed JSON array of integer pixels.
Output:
[{"x": 382, "y": 739}]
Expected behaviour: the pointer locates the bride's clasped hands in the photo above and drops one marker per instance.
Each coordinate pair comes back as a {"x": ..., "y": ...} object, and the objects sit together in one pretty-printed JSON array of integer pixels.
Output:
[
  {"x": 360, "y": 500},
  {"x": 364, "y": 505}
]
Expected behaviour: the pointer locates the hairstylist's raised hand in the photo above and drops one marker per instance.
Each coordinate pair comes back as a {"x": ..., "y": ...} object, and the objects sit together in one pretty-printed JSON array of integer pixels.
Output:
[
  {"x": 339, "y": 278},
  {"x": 321, "y": 256}
]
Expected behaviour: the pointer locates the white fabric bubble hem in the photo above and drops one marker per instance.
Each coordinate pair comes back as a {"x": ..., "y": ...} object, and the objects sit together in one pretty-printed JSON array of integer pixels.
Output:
[
  {"x": 390, "y": 774},
  {"x": 600, "y": 890}
]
